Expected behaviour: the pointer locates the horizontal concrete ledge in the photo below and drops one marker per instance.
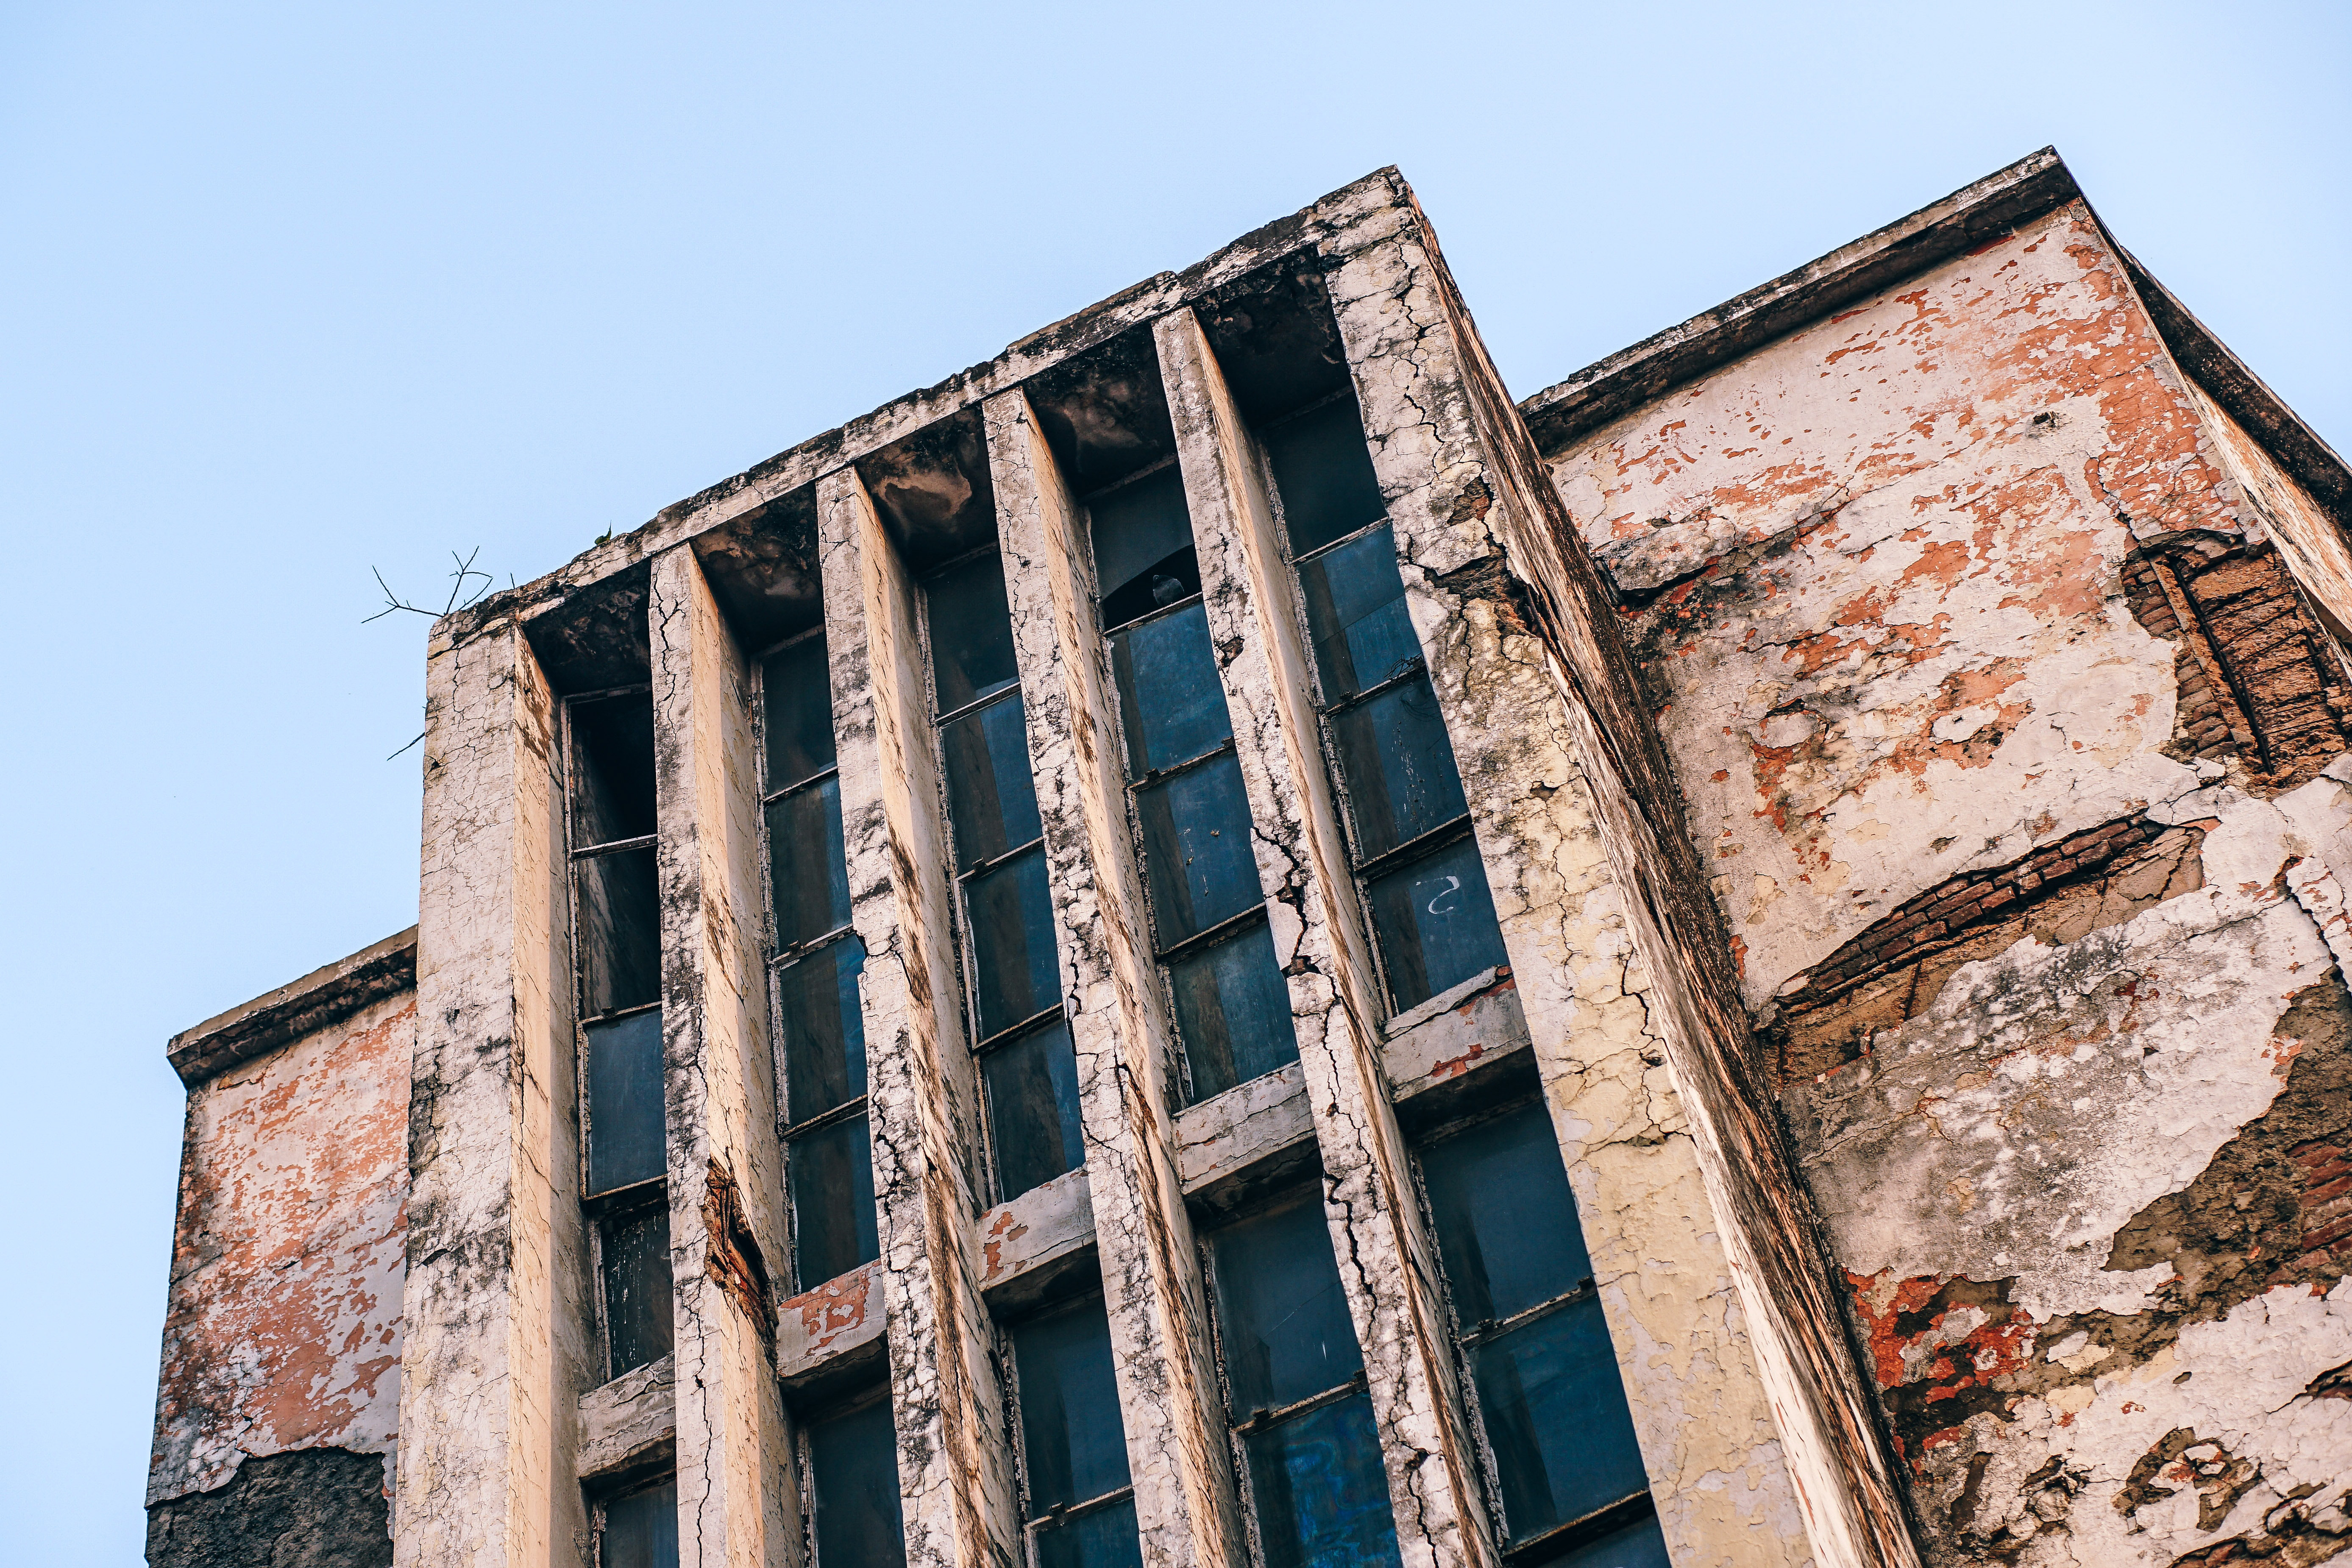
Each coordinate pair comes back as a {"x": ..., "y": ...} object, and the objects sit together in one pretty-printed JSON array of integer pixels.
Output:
[
  {"x": 820, "y": 1327},
  {"x": 629, "y": 1423},
  {"x": 1961, "y": 222},
  {"x": 322, "y": 997}
]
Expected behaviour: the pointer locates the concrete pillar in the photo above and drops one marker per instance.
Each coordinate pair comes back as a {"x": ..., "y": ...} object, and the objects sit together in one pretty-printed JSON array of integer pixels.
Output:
[
  {"x": 496, "y": 1346},
  {"x": 1169, "y": 1396},
  {"x": 738, "y": 1503},
  {"x": 1387, "y": 1260},
  {"x": 955, "y": 1469}
]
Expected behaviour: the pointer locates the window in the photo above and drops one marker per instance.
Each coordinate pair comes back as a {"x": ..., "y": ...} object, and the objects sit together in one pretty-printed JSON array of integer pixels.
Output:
[
  {"x": 1304, "y": 1441},
  {"x": 1433, "y": 917},
  {"x": 850, "y": 1479},
  {"x": 1027, "y": 1069},
  {"x": 639, "y": 1530},
  {"x": 1537, "y": 1366},
  {"x": 820, "y": 1029},
  {"x": 616, "y": 938},
  {"x": 1209, "y": 930},
  {"x": 1079, "y": 1507}
]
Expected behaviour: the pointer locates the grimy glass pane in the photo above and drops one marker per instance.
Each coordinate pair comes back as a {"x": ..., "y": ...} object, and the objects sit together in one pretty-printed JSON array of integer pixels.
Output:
[
  {"x": 1279, "y": 1308},
  {"x": 1355, "y": 611},
  {"x": 1071, "y": 1437},
  {"x": 611, "y": 769},
  {"x": 971, "y": 632},
  {"x": 1638, "y": 1545},
  {"x": 832, "y": 1181},
  {"x": 624, "y": 1103},
  {"x": 641, "y": 1529},
  {"x": 854, "y": 1474},
  {"x": 1325, "y": 474},
  {"x": 992, "y": 797},
  {"x": 1322, "y": 1499},
  {"x": 1168, "y": 691},
  {"x": 1033, "y": 1110},
  {"x": 1399, "y": 766},
  {"x": 807, "y": 875},
  {"x": 617, "y": 905},
  {"x": 1507, "y": 1230},
  {"x": 798, "y": 691},
  {"x": 1018, "y": 976},
  {"x": 1435, "y": 922},
  {"x": 1197, "y": 854},
  {"x": 1556, "y": 1418},
  {"x": 1103, "y": 1539},
  {"x": 824, "y": 1029},
  {"x": 636, "y": 1288},
  {"x": 1233, "y": 1011},
  {"x": 1143, "y": 546}
]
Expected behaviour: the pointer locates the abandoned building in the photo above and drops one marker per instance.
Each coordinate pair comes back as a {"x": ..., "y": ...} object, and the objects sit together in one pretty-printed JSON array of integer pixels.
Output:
[{"x": 1210, "y": 943}]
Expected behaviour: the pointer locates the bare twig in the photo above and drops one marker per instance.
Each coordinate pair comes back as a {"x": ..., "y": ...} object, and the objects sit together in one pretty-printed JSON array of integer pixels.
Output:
[
  {"x": 460, "y": 598},
  {"x": 420, "y": 735}
]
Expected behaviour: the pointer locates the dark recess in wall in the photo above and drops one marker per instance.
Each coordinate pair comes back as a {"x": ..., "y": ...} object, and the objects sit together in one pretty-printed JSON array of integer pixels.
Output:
[{"x": 315, "y": 1508}]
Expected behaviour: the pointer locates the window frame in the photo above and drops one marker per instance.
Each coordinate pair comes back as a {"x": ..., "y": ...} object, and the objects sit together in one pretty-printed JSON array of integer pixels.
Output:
[{"x": 1009, "y": 1364}]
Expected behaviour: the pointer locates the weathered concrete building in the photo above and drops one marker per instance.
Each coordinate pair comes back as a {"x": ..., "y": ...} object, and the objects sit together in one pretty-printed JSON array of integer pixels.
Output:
[{"x": 1211, "y": 945}]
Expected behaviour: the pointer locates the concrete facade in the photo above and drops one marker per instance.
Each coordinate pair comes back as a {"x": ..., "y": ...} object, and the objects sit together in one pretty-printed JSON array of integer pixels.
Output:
[{"x": 1903, "y": 719}]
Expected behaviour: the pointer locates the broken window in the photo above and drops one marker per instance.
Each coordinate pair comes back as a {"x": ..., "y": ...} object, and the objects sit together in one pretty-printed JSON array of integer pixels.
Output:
[
  {"x": 820, "y": 1027},
  {"x": 639, "y": 1529},
  {"x": 1539, "y": 1372},
  {"x": 1029, "y": 1075},
  {"x": 616, "y": 940},
  {"x": 850, "y": 1484},
  {"x": 1409, "y": 823},
  {"x": 1079, "y": 1507},
  {"x": 1200, "y": 868},
  {"x": 1303, "y": 1436}
]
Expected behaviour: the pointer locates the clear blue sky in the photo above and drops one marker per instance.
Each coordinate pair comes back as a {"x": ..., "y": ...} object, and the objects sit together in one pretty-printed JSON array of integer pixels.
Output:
[{"x": 293, "y": 292}]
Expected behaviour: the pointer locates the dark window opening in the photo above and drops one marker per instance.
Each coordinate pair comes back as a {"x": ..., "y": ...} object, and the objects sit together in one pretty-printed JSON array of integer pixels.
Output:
[
  {"x": 820, "y": 1025},
  {"x": 1079, "y": 1506},
  {"x": 639, "y": 1530},
  {"x": 633, "y": 1261},
  {"x": 850, "y": 1470},
  {"x": 1192, "y": 815},
  {"x": 1303, "y": 1440},
  {"x": 1029, "y": 1077},
  {"x": 624, "y": 1101},
  {"x": 1408, "y": 819},
  {"x": 1541, "y": 1374}
]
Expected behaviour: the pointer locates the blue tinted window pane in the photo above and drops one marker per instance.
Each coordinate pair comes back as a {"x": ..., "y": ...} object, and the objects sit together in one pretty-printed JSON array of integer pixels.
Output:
[
  {"x": 1637, "y": 1545},
  {"x": 1197, "y": 854},
  {"x": 617, "y": 908},
  {"x": 1033, "y": 1110},
  {"x": 611, "y": 769},
  {"x": 1017, "y": 975},
  {"x": 1143, "y": 541},
  {"x": 641, "y": 1529},
  {"x": 808, "y": 877},
  {"x": 1507, "y": 1228},
  {"x": 1280, "y": 1311},
  {"x": 1354, "y": 612},
  {"x": 1233, "y": 1011},
  {"x": 853, "y": 1475},
  {"x": 1435, "y": 922},
  {"x": 832, "y": 1180},
  {"x": 1325, "y": 474},
  {"x": 636, "y": 1279},
  {"x": 1071, "y": 1435},
  {"x": 991, "y": 798},
  {"x": 799, "y": 700},
  {"x": 1169, "y": 697},
  {"x": 1103, "y": 1539},
  {"x": 1322, "y": 1499},
  {"x": 824, "y": 1029},
  {"x": 1401, "y": 782},
  {"x": 1556, "y": 1418},
  {"x": 972, "y": 632},
  {"x": 624, "y": 1103}
]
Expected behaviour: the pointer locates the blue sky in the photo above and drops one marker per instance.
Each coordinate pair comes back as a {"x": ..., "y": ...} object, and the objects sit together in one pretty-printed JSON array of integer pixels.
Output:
[{"x": 294, "y": 293}]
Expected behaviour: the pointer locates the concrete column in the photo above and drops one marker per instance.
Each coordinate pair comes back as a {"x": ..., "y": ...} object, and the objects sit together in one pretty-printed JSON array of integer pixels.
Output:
[
  {"x": 496, "y": 1346},
  {"x": 1387, "y": 1262},
  {"x": 955, "y": 1469},
  {"x": 738, "y": 1504},
  {"x": 1168, "y": 1396}
]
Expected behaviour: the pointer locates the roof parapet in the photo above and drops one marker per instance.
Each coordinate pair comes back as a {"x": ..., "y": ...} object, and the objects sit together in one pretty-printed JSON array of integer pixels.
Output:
[{"x": 304, "y": 1007}]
